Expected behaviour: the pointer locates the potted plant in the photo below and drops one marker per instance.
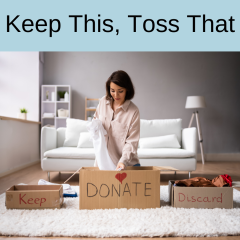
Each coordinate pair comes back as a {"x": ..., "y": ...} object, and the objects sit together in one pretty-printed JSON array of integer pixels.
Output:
[
  {"x": 23, "y": 114},
  {"x": 47, "y": 94},
  {"x": 61, "y": 95}
]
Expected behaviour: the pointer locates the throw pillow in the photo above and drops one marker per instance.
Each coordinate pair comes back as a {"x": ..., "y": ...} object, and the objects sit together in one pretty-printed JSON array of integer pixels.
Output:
[
  {"x": 85, "y": 140},
  {"x": 168, "y": 141},
  {"x": 74, "y": 128}
]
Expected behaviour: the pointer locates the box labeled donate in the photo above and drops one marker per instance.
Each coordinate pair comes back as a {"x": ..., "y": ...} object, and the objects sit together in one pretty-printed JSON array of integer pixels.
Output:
[
  {"x": 200, "y": 197},
  {"x": 134, "y": 187},
  {"x": 34, "y": 197}
]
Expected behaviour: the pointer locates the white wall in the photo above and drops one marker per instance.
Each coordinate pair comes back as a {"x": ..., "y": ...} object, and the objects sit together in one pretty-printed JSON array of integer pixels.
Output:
[
  {"x": 19, "y": 84},
  {"x": 19, "y": 145},
  {"x": 41, "y": 64},
  {"x": 20, "y": 80}
]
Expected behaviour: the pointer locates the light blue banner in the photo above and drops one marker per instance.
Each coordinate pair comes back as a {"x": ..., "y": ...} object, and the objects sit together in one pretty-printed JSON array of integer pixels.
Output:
[{"x": 94, "y": 25}]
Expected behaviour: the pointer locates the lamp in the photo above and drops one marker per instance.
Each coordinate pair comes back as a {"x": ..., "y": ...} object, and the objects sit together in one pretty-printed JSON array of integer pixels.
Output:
[{"x": 196, "y": 102}]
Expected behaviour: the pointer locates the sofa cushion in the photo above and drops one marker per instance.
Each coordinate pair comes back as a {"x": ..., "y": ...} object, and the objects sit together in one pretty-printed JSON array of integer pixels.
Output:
[
  {"x": 71, "y": 152},
  {"x": 74, "y": 128},
  {"x": 85, "y": 140},
  {"x": 168, "y": 141},
  {"x": 88, "y": 153},
  {"x": 163, "y": 153},
  {"x": 161, "y": 127}
]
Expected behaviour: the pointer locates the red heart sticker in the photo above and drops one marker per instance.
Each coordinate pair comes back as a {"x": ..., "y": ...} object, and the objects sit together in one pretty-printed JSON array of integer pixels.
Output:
[{"x": 120, "y": 176}]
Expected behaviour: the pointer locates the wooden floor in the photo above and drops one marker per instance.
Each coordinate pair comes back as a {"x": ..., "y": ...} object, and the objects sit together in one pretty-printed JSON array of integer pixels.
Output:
[{"x": 32, "y": 174}]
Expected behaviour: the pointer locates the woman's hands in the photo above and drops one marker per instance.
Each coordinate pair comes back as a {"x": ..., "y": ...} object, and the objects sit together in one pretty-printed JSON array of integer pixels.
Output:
[{"x": 120, "y": 165}]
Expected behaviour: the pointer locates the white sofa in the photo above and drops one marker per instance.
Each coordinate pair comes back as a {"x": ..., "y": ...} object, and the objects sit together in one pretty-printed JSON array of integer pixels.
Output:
[{"x": 56, "y": 158}]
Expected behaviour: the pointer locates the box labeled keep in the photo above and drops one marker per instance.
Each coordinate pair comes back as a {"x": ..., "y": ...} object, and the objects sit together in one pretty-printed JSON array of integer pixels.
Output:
[
  {"x": 134, "y": 187},
  {"x": 34, "y": 197},
  {"x": 200, "y": 197}
]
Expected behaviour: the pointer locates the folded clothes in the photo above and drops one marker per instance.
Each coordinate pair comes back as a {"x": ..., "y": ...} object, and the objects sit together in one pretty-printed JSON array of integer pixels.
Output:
[
  {"x": 48, "y": 114},
  {"x": 219, "y": 181},
  {"x": 67, "y": 189}
]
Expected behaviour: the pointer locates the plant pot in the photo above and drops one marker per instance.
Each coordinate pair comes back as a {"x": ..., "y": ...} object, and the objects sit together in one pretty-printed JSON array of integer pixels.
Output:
[{"x": 22, "y": 116}]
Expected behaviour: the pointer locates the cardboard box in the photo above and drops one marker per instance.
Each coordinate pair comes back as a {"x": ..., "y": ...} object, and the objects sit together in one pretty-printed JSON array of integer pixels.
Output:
[
  {"x": 34, "y": 196},
  {"x": 200, "y": 197},
  {"x": 135, "y": 187}
]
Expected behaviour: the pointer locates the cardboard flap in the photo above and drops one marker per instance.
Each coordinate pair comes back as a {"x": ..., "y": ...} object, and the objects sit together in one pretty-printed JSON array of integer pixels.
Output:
[
  {"x": 34, "y": 188},
  {"x": 139, "y": 168},
  {"x": 167, "y": 168},
  {"x": 171, "y": 192},
  {"x": 73, "y": 175},
  {"x": 11, "y": 188},
  {"x": 91, "y": 168},
  {"x": 61, "y": 195}
]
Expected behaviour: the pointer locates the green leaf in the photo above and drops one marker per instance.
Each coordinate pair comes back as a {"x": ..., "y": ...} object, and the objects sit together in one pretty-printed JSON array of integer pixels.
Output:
[
  {"x": 61, "y": 94},
  {"x": 23, "y": 110}
]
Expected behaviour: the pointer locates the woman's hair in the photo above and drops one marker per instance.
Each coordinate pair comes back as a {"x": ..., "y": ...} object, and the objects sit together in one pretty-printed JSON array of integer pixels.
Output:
[{"x": 121, "y": 79}]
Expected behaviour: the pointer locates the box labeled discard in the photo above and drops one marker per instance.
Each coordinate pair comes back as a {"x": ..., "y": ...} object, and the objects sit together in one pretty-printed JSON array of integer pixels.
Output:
[
  {"x": 34, "y": 196},
  {"x": 134, "y": 187},
  {"x": 200, "y": 197}
]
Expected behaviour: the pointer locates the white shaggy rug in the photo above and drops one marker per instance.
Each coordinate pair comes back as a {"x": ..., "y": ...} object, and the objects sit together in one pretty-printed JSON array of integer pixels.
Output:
[{"x": 163, "y": 222}]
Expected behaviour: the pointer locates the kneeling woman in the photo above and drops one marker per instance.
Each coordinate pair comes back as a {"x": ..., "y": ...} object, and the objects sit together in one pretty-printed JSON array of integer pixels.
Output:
[{"x": 121, "y": 119}]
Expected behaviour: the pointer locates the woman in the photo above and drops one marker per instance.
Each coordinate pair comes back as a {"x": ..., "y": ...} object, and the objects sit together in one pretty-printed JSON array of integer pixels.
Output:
[{"x": 121, "y": 119}]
